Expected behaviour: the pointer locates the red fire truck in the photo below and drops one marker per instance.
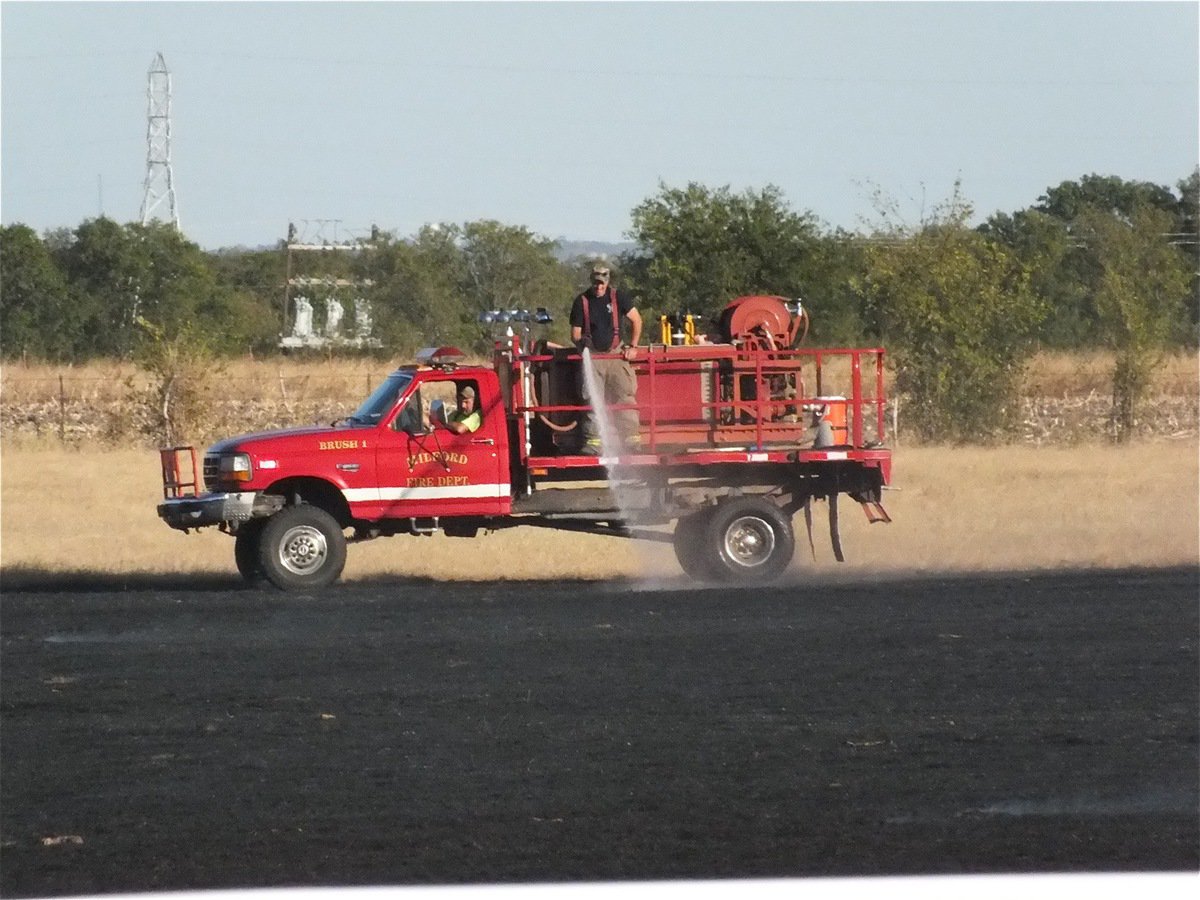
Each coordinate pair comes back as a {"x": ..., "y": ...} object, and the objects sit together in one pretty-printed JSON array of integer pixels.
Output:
[{"x": 738, "y": 432}]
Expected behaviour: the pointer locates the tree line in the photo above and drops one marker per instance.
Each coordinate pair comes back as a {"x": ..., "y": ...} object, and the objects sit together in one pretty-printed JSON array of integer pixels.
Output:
[{"x": 1096, "y": 262}]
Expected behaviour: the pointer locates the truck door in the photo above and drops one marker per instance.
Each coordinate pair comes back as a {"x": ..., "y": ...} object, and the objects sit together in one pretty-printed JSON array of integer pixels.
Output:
[{"x": 427, "y": 468}]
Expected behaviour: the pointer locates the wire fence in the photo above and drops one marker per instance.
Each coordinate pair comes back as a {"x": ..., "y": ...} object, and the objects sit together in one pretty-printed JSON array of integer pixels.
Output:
[
  {"x": 74, "y": 412},
  {"x": 112, "y": 408},
  {"x": 63, "y": 388}
]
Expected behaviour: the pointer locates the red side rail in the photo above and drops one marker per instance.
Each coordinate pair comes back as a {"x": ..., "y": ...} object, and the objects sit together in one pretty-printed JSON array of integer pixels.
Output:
[
  {"x": 179, "y": 472},
  {"x": 756, "y": 418}
]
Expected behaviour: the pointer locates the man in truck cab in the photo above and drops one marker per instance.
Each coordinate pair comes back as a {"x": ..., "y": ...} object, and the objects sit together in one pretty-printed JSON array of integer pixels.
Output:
[
  {"x": 596, "y": 317},
  {"x": 466, "y": 418}
]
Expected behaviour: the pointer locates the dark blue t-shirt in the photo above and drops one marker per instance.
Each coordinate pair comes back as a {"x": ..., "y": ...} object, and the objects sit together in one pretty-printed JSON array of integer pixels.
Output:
[{"x": 601, "y": 316}]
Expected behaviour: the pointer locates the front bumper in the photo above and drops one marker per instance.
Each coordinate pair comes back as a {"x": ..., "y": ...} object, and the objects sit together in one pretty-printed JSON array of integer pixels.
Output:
[{"x": 186, "y": 513}]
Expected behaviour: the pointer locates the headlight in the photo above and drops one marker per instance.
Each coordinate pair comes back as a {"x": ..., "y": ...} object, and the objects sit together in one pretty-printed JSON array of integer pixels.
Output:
[{"x": 236, "y": 467}]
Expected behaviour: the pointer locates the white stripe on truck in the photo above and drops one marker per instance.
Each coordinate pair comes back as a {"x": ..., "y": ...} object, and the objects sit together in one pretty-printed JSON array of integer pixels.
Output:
[{"x": 450, "y": 492}]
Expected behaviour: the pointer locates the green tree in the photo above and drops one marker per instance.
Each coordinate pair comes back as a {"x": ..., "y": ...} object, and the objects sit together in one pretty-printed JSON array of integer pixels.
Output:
[
  {"x": 415, "y": 298},
  {"x": 698, "y": 248},
  {"x": 835, "y": 261},
  {"x": 957, "y": 314},
  {"x": 177, "y": 283},
  {"x": 1104, "y": 193},
  {"x": 431, "y": 289},
  {"x": 252, "y": 284},
  {"x": 1065, "y": 264},
  {"x": 38, "y": 315},
  {"x": 1187, "y": 218},
  {"x": 1141, "y": 289},
  {"x": 106, "y": 266},
  {"x": 121, "y": 274},
  {"x": 509, "y": 267},
  {"x": 1186, "y": 236},
  {"x": 1059, "y": 273}
]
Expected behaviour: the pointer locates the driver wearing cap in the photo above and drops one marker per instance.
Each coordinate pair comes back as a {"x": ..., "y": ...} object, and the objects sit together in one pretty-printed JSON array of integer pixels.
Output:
[{"x": 466, "y": 418}]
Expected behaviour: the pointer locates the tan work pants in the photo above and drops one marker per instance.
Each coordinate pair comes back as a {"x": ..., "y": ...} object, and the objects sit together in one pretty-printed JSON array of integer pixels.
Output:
[{"x": 616, "y": 379}]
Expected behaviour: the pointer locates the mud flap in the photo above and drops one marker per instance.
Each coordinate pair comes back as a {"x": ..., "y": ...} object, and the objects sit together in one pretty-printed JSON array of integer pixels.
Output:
[
  {"x": 808, "y": 526},
  {"x": 835, "y": 535},
  {"x": 871, "y": 505},
  {"x": 875, "y": 511}
]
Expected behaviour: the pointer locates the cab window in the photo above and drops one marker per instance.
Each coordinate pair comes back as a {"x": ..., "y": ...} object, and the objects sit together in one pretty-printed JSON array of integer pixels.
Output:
[
  {"x": 381, "y": 399},
  {"x": 410, "y": 418},
  {"x": 446, "y": 399},
  {"x": 434, "y": 402}
]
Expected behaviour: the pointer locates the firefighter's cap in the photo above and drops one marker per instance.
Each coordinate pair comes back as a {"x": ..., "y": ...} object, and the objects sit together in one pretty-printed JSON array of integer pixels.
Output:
[{"x": 467, "y": 391}]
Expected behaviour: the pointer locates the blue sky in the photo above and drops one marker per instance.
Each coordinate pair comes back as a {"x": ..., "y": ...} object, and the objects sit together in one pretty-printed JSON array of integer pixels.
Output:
[{"x": 562, "y": 117}]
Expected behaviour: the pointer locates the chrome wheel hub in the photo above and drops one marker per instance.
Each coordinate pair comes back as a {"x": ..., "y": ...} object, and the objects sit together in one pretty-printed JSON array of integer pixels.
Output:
[
  {"x": 749, "y": 541},
  {"x": 303, "y": 550}
]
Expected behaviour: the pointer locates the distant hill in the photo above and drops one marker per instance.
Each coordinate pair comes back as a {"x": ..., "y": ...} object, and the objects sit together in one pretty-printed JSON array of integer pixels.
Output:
[{"x": 566, "y": 250}]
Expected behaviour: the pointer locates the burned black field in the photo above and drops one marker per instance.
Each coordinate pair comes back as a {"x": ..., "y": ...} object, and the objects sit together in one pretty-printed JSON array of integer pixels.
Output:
[{"x": 171, "y": 734}]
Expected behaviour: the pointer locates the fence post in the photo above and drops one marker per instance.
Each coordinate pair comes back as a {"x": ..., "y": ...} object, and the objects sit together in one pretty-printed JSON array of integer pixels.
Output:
[{"x": 62, "y": 411}]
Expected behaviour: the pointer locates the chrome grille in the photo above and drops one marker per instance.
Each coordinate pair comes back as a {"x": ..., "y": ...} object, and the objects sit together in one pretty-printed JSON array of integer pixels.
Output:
[{"x": 212, "y": 465}]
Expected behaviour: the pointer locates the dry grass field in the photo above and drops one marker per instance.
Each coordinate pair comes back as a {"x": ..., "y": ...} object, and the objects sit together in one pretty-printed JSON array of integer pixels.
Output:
[
  {"x": 346, "y": 380},
  {"x": 287, "y": 378},
  {"x": 1055, "y": 374},
  {"x": 64, "y": 510},
  {"x": 86, "y": 508}
]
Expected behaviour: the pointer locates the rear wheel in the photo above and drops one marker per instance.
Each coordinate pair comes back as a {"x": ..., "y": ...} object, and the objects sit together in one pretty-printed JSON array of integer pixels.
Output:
[
  {"x": 302, "y": 547},
  {"x": 748, "y": 539}
]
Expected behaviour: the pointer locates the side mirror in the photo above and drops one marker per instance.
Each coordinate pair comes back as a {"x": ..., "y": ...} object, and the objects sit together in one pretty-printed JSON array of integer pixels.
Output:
[{"x": 438, "y": 412}]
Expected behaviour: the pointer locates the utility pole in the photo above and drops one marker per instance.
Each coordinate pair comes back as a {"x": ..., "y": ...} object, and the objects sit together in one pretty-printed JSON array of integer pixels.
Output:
[{"x": 160, "y": 181}]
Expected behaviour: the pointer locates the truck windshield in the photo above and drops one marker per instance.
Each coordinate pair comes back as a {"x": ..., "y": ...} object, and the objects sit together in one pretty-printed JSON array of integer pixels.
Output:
[{"x": 382, "y": 399}]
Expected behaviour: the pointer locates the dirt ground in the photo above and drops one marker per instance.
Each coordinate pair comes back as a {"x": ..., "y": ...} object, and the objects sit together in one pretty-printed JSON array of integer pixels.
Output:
[{"x": 165, "y": 734}]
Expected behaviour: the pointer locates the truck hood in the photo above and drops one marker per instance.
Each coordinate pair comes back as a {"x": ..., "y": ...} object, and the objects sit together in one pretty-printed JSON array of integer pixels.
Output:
[{"x": 283, "y": 440}]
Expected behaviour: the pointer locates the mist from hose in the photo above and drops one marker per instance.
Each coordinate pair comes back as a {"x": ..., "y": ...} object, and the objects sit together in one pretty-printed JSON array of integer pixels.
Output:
[
  {"x": 610, "y": 441},
  {"x": 620, "y": 482}
]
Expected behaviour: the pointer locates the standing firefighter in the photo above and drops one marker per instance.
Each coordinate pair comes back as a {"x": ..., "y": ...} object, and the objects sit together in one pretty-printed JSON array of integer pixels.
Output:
[{"x": 596, "y": 324}]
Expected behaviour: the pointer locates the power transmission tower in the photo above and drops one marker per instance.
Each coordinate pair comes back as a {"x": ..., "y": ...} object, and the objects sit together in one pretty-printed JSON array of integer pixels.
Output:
[{"x": 160, "y": 182}]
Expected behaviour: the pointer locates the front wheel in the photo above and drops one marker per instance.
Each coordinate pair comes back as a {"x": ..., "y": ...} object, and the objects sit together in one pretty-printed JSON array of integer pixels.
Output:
[
  {"x": 246, "y": 550},
  {"x": 749, "y": 539},
  {"x": 302, "y": 547}
]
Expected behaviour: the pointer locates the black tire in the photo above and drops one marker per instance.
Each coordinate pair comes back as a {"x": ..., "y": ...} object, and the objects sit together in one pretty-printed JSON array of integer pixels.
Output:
[
  {"x": 748, "y": 539},
  {"x": 302, "y": 548},
  {"x": 245, "y": 550},
  {"x": 689, "y": 545}
]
